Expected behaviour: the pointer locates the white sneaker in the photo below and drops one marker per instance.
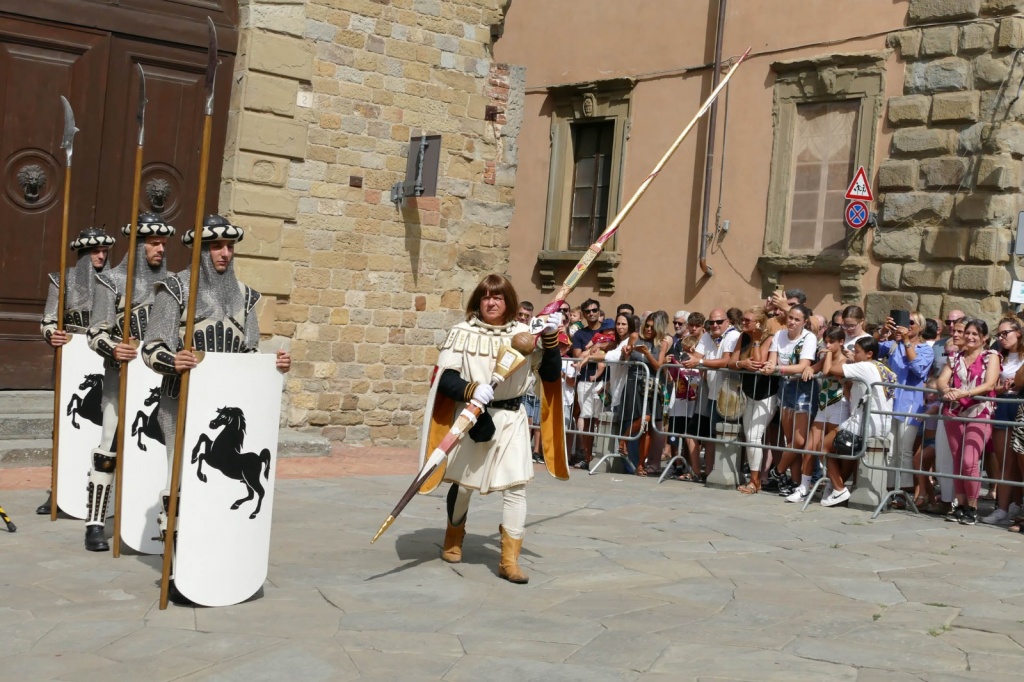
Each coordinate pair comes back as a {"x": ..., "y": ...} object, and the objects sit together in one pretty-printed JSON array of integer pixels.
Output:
[
  {"x": 997, "y": 518},
  {"x": 836, "y": 497},
  {"x": 827, "y": 490},
  {"x": 799, "y": 495}
]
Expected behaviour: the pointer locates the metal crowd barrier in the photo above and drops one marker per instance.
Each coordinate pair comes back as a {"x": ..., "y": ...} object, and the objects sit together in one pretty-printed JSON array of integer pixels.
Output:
[
  {"x": 626, "y": 388},
  {"x": 892, "y": 464},
  {"x": 622, "y": 388},
  {"x": 735, "y": 433}
]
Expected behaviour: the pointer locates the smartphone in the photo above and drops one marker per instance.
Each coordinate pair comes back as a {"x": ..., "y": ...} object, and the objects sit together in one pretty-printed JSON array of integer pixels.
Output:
[{"x": 901, "y": 318}]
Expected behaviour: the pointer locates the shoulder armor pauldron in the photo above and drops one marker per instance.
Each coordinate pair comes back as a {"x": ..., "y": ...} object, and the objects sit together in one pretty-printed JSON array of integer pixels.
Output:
[
  {"x": 173, "y": 286},
  {"x": 252, "y": 297},
  {"x": 105, "y": 279}
]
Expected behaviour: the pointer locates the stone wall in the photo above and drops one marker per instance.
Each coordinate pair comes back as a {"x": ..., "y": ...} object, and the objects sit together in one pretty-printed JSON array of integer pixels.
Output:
[
  {"x": 951, "y": 187},
  {"x": 327, "y": 95}
]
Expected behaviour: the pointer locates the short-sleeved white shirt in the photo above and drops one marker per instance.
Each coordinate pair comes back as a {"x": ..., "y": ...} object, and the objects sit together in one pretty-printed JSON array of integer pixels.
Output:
[
  {"x": 865, "y": 374},
  {"x": 785, "y": 346},
  {"x": 851, "y": 340},
  {"x": 1010, "y": 364},
  {"x": 709, "y": 350}
]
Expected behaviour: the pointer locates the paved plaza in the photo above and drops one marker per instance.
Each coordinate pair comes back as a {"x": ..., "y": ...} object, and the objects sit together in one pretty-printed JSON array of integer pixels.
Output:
[{"x": 628, "y": 581}]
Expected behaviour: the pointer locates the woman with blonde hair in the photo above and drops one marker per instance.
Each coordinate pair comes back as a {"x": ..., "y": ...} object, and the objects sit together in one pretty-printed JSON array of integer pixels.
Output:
[
  {"x": 761, "y": 391},
  {"x": 1003, "y": 461},
  {"x": 653, "y": 345},
  {"x": 910, "y": 358}
]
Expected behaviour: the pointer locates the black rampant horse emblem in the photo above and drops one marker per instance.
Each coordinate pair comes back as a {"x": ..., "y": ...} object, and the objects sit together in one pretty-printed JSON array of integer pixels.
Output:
[
  {"x": 224, "y": 453},
  {"x": 147, "y": 424},
  {"x": 90, "y": 407}
]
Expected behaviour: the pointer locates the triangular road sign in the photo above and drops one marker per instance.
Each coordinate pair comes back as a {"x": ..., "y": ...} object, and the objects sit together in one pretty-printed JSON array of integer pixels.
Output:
[{"x": 860, "y": 188}]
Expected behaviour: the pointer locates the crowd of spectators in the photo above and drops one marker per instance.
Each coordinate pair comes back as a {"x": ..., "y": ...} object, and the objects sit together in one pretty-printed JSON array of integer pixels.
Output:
[{"x": 798, "y": 385}]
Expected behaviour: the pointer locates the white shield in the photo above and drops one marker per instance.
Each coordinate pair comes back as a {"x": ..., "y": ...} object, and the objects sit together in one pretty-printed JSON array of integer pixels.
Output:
[
  {"x": 143, "y": 464},
  {"x": 80, "y": 416},
  {"x": 227, "y": 478}
]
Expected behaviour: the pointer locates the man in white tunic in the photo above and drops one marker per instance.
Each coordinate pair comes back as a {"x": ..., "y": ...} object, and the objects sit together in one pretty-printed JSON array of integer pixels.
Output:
[{"x": 497, "y": 454}]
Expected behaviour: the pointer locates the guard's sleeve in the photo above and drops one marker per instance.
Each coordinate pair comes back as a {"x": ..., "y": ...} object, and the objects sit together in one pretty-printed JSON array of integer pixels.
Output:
[
  {"x": 100, "y": 336},
  {"x": 451, "y": 385},
  {"x": 48, "y": 325},
  {"x": 161, "y": 341},
  {"x": 550, "y": 368}
]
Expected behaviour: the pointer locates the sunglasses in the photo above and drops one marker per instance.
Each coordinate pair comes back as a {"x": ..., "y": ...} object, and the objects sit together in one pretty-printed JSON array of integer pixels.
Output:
[
  {"x": 849, "y": 325},
  {"x": 564, "y": 310},
  {"x": 1006, "y": 332},
  {"x": 678, "y": 323},
  {"x": 591, "y": 311},
  {"x": 717, "y": 321}
]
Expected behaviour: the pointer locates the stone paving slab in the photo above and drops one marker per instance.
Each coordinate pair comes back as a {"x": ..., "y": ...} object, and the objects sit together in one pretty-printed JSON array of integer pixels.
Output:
[{"x": 629, "y": 581}]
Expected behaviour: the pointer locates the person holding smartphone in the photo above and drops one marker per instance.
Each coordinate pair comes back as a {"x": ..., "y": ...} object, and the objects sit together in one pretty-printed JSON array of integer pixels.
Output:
[{"x": 910, "y": 358}]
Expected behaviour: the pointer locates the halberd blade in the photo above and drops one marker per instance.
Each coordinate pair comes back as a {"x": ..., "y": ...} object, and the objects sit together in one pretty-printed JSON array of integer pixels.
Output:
[
  {"x": 140, "y": 115},
  {"x": 67, "y": 142},
  {"x": 211, "y": 66}
]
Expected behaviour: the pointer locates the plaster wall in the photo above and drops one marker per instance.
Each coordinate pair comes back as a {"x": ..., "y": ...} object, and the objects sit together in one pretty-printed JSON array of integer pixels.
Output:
[{"x": 659, "y": 45}]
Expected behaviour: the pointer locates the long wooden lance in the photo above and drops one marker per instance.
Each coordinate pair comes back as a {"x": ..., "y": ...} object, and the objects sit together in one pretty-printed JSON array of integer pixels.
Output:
[
  {"x": 439, "y": 457},
  {"x": 129, "y": 290},
  {"x": 68, "y": 145},
  {"x": 190, "y": 317}
]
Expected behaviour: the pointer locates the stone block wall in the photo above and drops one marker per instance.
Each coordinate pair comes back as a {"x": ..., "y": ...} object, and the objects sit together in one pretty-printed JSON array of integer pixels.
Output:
[
  {"x": 327, "y": 95},
  {"x": 950, "y": 189}
]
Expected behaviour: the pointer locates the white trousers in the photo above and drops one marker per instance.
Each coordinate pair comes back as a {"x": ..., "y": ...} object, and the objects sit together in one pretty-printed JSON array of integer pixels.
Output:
[
  {"x": 513, "y": 509},
  {"x": 756, "y": 416}
]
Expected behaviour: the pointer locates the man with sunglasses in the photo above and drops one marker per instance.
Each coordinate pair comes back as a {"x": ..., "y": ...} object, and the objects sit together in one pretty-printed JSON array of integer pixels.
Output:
[
  {"x": 712, "y": 352},
  {"x": 941, "y": 355},
  {"x": 588, "y": 388}
]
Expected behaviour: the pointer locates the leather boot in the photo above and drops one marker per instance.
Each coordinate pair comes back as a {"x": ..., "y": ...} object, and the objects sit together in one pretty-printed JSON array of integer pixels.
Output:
[
  {"x": 453, "y": 537},
  {"x": 509, "y": 566},
  {"x": 44, "y": 508},
  {"x": 95, "y": 539}
]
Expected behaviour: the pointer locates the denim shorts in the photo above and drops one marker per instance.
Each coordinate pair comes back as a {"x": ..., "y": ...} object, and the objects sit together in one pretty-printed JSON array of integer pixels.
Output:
[
  {"x": 1006, "y": 411},
  {"x": 532, "y": 404},
  {"x": 799, "y": 396}
]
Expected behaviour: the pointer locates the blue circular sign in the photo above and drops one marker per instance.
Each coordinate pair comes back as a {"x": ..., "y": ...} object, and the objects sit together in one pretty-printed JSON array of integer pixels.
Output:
[{"x": 857, "y": 214}]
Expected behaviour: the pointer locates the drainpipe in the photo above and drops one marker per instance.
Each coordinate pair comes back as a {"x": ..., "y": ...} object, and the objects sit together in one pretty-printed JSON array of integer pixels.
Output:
[{"x": 709, "y": 163}]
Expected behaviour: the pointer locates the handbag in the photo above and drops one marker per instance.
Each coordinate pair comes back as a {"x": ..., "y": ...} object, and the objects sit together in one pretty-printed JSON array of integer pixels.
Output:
[
  {"x": 731, "y": 401},
  {"x": 847, "y": 443}
]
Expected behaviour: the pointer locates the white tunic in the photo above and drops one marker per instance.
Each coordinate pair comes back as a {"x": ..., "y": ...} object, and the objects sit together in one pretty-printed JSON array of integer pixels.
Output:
[{"x": 471, "y": 349}]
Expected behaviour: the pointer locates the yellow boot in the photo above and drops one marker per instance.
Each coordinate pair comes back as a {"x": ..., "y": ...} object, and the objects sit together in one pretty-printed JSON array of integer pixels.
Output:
[
  {"x": 453, "y": 537},
  {"x": 509, "y": 566}
]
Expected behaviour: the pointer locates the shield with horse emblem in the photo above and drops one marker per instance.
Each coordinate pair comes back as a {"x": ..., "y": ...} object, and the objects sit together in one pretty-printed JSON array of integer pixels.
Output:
[
  {"x": 143, "y": 462},
  {"x": 227, "y": 478},
  {"x": 81, "y": 423}
]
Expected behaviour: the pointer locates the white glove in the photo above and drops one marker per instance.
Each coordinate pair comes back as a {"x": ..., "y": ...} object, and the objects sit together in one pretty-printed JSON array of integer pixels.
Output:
[
  {"x": 553, "y": 323},
  {"x": 483, "y": 394}
]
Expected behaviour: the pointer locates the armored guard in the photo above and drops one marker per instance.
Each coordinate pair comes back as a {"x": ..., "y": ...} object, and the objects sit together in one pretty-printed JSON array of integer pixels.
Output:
[
  {"x": 225, "y": 322},
  {"x": 92, "y": 246},
  {"x": 225, "y": 319},
  {"x": 107, "y": 338}
]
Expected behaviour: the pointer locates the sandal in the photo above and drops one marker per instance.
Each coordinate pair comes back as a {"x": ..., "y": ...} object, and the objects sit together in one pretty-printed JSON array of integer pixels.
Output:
[
  {"x": 1016, "y": 528},
  {"x": 641, "y": 471},
  {"x": 748, "y": 489},
  {"x": 688, "y": 478}
]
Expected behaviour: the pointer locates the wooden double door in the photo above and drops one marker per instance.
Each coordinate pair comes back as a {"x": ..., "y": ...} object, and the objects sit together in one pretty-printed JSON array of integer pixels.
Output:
[{"x": 95, "y": 70}]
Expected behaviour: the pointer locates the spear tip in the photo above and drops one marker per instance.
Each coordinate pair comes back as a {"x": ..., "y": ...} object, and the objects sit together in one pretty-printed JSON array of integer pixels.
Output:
[{"x": 383, "y": 527}]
